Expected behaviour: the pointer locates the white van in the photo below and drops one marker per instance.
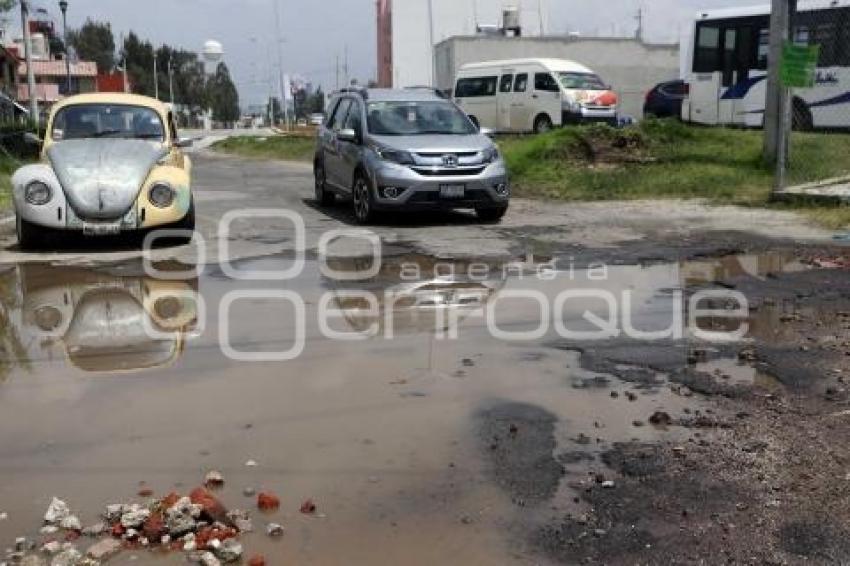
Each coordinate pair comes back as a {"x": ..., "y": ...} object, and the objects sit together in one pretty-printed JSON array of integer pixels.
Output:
[{"x": 524, "y": 95}]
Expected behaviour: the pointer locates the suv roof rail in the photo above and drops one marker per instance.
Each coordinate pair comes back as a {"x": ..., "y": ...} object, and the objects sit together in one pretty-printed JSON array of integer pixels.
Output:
[
  {"x": 355, "y": 90},
  {"x": 436, "y": 91}
]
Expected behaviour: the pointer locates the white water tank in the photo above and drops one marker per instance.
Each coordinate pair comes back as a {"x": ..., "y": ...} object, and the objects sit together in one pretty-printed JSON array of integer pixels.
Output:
[{"x": 213, "y": 53}]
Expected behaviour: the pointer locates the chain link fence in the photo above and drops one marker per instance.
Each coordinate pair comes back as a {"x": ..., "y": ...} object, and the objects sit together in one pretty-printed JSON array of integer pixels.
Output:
[{"x": 817, "y": 117}]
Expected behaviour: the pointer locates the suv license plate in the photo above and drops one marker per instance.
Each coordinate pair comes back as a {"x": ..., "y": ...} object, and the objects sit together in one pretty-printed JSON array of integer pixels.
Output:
[
  {"x": 101, "y": 229},
  {"x": 452, "y": 191}
]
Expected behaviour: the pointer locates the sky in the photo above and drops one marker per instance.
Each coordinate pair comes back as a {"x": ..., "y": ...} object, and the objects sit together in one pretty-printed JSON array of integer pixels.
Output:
[{"x": 317, "y": 33}]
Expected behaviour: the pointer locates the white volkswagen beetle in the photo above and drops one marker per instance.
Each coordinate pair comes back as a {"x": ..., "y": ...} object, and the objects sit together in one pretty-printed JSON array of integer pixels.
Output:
[{"x": 110, "y": 163}]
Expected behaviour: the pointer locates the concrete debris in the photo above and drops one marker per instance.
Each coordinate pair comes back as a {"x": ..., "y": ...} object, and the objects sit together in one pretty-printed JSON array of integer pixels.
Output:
[
  {"x": 214, "y": 479},
  {"x": 94, "y": 530},
  {"x": 181, "y": 518},
  {"x": 274, "y": 530},
  {"x": 229, "y": 551},
  {"x": 199, "y": 524},
  {"x": 71, "y": 523},
  {"x": 104, "y": 549},
  {"x": 52, "y": 547},
  {"x": 134, "y": 517},
  {"x": 56, "y": 511},
  {"x": 68, "y": 557}
]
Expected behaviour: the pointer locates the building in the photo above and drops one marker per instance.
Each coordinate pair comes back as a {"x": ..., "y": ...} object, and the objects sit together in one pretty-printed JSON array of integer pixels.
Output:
[
  {"x": 631, "y": 66},
  {"x": 408, "y": 30}
]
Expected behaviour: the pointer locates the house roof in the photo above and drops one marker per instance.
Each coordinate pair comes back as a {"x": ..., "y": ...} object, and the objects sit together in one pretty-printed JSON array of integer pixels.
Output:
[{"x": 59, "y": 69}]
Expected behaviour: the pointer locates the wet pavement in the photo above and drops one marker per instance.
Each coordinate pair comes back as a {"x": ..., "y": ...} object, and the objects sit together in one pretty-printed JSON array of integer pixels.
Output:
[{"x": 405, "y": 403}]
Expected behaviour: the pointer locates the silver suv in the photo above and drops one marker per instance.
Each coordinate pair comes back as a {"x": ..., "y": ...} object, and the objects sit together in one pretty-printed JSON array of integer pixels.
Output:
[{"x": 408, "y": 149}]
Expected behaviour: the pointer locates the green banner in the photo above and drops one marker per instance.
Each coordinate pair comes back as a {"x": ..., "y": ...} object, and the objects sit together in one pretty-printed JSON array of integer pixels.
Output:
[{"x": 799, "y": 65}]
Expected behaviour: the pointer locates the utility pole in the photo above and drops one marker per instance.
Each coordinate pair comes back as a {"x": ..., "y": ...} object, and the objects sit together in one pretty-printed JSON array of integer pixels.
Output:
[
  {"x": 63, "y": 6},
  {"x": 639, "y": 18},
  {"x": 431, "y": 43},
  {"x": 345, "y": 72},
  {"x": 542, "y": 18},
  {"x": 25, "y": 22},
  {"x": 279, "y": 41},
  {"x": 155, "y": 77},
  {"x": 170, "y": 79},
  {"x": 778, "y": 98},
  {"x": 337, "y": 71}
]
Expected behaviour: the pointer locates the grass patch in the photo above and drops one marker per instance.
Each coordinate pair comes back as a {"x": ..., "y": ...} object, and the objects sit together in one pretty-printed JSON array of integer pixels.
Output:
[
  {"x": 288, "y": 148},
  {"x": 668, "y": 159}
]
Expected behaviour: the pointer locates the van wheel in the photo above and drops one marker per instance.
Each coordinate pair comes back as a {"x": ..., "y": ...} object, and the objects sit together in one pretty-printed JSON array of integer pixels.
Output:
[
  {"x": 802, "y": 120},
  {"x": 30, "y": 236},
  {"x": 542, "y": 124}
]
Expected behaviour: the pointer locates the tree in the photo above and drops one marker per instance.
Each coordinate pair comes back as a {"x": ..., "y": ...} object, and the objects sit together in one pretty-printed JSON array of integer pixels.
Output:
[
  {"x": 316, "y": 102},
  {"x": 223, "y": 96},
  {"x": 95, "y": 42},
  {"x": 6, "y": 5},
  {"x": 138, "y": 57}
]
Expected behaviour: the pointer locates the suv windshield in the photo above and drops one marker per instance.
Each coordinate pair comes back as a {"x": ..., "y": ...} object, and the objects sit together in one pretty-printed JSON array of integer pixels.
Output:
[
  {"x": 581, "y": 81},
  {"x": 107, "y": 121},
  {"x": 417, "y": 118}
]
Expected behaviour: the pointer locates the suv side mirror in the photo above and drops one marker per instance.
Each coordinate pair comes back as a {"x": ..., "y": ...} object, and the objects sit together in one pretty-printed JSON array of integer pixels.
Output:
[
  {"x": 348, "y": 135},
  {"x": 32, "y": 139},
  {"x": 486, "y": 131}
]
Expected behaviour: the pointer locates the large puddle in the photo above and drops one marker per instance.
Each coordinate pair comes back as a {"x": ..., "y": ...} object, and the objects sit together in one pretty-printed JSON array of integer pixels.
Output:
[{"x": 375, "y": 397}]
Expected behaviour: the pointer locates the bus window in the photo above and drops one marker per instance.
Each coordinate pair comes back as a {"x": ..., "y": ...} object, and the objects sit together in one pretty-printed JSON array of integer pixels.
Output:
[
  {"x": 476, "y": 87},
  {"x": 521, "y": 83},
  {"x": 707, "y": 52},
  {"x": 545, "y": 82},
  {"x": 506, "y": 83},
  {"x": 763, "y": 49}
]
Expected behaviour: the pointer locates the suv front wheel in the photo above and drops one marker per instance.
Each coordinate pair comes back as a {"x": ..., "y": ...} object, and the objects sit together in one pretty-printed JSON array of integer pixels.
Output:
[
  {"x": 491, "y": 213},
  {"x": 323, "y": 196},
  {"x": 364, "y": 209}
]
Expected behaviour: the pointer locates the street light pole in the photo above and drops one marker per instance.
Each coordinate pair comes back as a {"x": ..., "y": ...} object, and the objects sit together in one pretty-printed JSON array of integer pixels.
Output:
[
  {"x": 170, "y": 79},
  {"x": 25, "y": 21},
  {"x": 63, "y": 5}
]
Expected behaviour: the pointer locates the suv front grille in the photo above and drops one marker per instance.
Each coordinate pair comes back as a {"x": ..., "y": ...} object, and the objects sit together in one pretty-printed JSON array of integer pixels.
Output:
[{"x": 451, "y": 172}]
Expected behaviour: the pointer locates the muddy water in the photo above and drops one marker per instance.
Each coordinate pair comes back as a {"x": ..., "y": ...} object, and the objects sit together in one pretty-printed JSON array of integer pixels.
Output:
[{"x": 110, "y": 378}]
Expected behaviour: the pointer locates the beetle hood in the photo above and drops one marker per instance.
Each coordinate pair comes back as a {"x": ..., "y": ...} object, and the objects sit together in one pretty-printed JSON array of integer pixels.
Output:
[{"x": 102, "y": 177}]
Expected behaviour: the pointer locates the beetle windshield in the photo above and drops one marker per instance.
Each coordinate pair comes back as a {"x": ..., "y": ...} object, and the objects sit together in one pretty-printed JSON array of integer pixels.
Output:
[
  {"x": 83, "y": 121},
  {"x": 581, "y": 81},
  {"x": 417, "y": 118}
]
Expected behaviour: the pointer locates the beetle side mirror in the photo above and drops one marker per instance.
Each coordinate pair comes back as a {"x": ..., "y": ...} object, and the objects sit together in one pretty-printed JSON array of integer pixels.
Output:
[
  {"x": 184, "y": 142},
  {"x": 32, "y": 139}
]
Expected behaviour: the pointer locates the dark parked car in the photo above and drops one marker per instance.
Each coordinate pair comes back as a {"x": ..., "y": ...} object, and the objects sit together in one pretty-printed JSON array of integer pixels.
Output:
[{"x": 665, "y": 99}]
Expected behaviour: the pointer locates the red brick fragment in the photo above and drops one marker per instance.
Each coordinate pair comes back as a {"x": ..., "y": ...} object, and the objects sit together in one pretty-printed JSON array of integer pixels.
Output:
[{"x": 267, "y": 501}]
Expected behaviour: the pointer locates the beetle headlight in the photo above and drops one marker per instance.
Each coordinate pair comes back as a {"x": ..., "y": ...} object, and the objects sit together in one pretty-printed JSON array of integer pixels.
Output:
[
  {"x": 38, "y": 193},
  {"x": 161, "y": 195}
]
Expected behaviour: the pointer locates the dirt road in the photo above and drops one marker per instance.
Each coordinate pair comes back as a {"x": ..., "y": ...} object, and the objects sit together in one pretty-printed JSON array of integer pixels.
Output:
[{"x": 518, "y": 440}]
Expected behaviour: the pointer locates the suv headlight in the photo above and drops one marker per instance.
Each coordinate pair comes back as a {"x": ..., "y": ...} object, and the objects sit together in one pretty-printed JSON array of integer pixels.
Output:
[
  {"x": 38, "y": 193},
  {"x": 490, "y": 154},
  {"x": 395, "y": 156},
  {"x": 161, "y": 195}
]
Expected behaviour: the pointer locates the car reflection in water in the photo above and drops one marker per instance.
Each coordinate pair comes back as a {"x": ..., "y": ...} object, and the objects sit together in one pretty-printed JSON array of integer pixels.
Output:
[
  {"x": 107, "y": 322},
  {"x": 414, "y": 294}
]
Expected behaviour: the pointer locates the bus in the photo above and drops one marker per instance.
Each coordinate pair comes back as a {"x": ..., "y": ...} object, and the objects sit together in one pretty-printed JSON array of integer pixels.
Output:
[{"x": 727, "y": 66}]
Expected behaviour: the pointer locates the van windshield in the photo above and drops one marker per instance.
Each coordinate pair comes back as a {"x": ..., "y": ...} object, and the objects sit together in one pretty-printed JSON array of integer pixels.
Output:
[
  {"x": 581, "y": 81},
  {"x": 417, "y": 118}
]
